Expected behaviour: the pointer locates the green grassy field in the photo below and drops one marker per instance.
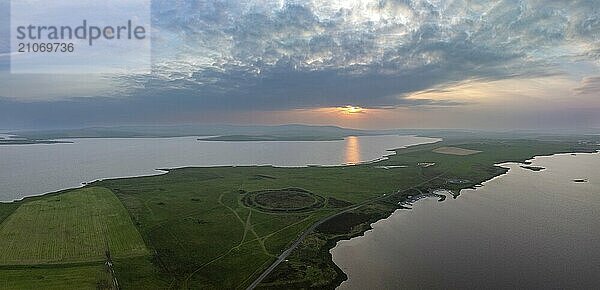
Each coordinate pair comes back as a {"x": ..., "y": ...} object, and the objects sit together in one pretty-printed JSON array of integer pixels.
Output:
[
  {"x": 60, "y": 241},
  {"x": 77, "y": 226},
  {"x": 55, "y": 278},
  {"x": 201, "y": 235},
  {"x": 6, "y": 209}
]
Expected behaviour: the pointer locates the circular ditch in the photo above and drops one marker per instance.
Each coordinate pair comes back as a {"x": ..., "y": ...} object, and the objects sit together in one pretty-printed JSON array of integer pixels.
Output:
[{"x": 284, "y": 200}]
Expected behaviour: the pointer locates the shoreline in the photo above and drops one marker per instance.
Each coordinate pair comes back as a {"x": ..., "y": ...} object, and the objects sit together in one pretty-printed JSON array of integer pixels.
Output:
[{"x": 342, "y": 276}]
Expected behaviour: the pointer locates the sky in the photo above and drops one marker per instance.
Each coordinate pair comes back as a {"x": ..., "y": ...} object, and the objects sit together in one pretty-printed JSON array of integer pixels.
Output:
[{"x": 401, "y": 63}]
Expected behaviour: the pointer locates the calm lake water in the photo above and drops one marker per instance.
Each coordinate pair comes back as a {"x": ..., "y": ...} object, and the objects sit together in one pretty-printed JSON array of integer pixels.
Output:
[
  {"x": 27, "y": 170},
  {"x": 525, "y": 229}
]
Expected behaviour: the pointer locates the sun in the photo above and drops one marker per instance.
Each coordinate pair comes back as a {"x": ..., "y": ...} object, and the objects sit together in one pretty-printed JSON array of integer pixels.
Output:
[{"x": 352, "y": 110}]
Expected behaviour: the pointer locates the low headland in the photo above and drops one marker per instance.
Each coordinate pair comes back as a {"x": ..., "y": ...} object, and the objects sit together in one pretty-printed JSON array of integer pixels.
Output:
[
  {"x": 31, "y": 142},
  {"x": 254, "y": 138}
]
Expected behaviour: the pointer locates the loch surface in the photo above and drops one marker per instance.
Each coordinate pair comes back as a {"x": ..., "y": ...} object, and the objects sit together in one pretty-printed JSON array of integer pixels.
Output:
[
  {"x": 27, "y": 170},
  {"x": 524, "y": 229}
]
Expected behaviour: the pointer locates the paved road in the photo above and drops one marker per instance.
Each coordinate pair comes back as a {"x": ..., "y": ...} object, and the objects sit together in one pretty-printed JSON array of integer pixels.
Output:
[{"x": 299, "y": 240}]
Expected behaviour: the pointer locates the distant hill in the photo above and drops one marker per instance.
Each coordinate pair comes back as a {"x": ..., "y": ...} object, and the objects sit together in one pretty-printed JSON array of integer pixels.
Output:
[
  {"x": 291, "y": 132},
  {"x": 281, "y": 131}
]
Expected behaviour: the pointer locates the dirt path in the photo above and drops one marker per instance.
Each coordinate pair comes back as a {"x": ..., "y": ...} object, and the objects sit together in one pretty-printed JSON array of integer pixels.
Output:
[{"x": 247, "y": 228}]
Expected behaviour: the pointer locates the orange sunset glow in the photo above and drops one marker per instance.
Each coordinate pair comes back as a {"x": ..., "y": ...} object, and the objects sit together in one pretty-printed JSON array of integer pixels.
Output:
[{"x": 352, "y": 110}]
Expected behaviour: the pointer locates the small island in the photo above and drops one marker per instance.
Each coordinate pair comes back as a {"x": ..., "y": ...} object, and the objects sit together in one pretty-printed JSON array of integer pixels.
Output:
[
  {"x": 254, "y": 138},
  {"x": 31, "y": 142},
  {"x": 533, "y": 168}
]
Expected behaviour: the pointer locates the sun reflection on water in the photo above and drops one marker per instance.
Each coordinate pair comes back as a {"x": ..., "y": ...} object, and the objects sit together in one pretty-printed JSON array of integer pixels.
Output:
[{"x": 352, "y": 150}]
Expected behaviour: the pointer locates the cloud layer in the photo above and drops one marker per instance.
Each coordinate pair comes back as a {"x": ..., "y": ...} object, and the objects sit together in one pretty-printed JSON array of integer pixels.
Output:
[
  {"x": 262, "y": 55},
  {"x": 289, "y": 54}
]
